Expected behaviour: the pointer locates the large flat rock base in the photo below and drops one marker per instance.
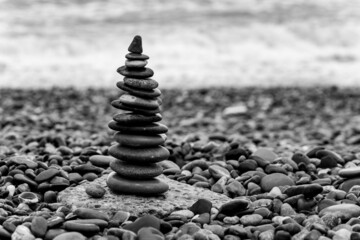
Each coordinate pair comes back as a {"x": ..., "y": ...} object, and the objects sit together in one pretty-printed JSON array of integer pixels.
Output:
[{"x": 179, "y": 196}]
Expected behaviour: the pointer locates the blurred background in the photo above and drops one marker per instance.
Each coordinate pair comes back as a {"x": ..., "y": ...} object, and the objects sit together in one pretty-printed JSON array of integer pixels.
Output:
[{"x": 191, "y": 44}]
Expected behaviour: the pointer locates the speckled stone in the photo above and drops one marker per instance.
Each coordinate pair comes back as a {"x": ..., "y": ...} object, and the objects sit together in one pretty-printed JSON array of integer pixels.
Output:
[
  {"x": 154, "y": 93},
  {"x": 136, "y": 141},
  {"x": 178, "y": 197},
  {"x": 141, "y": 155},
  {"x": 95, "y": 191},
  {"x": 146, "y": 129},
  {"x": 137, "y": 171},
  {"x": 133, "y": 118},
  {"x": 135, "y": 73},
  {"x": 138, "y": 102},
  {"x": 144, "y": 84}
]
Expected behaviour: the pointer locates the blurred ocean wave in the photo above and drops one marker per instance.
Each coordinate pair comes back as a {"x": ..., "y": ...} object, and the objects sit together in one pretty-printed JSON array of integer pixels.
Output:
[{"x": 190, "y": 43}]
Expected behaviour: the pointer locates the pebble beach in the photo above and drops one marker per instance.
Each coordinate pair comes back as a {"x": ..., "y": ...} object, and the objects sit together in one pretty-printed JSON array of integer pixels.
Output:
[{"x": 285, "y": 160}]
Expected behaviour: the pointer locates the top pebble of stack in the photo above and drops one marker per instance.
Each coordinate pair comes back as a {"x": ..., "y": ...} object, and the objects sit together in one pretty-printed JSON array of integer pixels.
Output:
[{"x": 136, "y": 45}]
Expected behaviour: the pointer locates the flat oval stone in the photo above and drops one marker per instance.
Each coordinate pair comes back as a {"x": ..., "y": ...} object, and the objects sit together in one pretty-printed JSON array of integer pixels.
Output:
[
  {"x": 136, "y": 171},
  {"x": 233, "y": 207},
  {"x": 46, "y": 174},
  {"x": 119, "y": 105},
  {"x": 81, "y": 227},
  {"x": 53, "y": 233},
  {"x": 70, "y": 236},
  {"x": 135, "y": 72},
  {"x": 140, "y": 155},
  {"x": 144, "y": 221},
  {"x": 87, "y": 213},
  {"x": 135, "y": 63},
  {"x": 139, "y": 92},
  {"x": 99, "y": 222},
  {"x": 145, "y": 84},
  {"x": 152, "y": 128},
  {"x": 138, "y": 187},
  {"x": 136, "y": 56},
  {"x": 24, "y": 179},
  {"x": 133, "y": 140},
  {"x": 138, "y": 102},
  {"x": 275, "y": 180},
  {"x": 345, "y": 211},
  {"x": 23, "y": 160},
  {"x": 350, "y": 172},
  {"x": 134, "y": 118},
  {"x": 265, "y": 154},
  {"x": 217, "y": 171},
  {"x": 100, "y": 160},
  {"x": 349, "y": 183}
]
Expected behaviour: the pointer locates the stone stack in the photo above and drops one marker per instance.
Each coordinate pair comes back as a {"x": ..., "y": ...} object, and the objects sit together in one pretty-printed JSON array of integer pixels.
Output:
[{"x": 139, "y": 136}]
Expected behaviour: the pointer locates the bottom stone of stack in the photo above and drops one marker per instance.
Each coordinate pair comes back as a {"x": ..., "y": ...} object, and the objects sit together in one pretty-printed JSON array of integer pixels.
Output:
[{"x": 147, "y": 187}]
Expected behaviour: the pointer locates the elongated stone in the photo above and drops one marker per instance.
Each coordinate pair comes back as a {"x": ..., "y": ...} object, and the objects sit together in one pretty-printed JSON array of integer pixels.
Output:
[{"x": 87, "y": 229}]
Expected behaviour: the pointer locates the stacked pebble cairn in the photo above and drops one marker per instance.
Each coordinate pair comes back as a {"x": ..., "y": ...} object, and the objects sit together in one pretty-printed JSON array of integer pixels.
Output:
[{"x": 139, "y": 136}]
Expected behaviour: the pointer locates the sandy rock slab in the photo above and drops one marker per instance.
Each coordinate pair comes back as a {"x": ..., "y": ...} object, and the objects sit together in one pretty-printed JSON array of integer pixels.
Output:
[{"x": 180, "y": 196}]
